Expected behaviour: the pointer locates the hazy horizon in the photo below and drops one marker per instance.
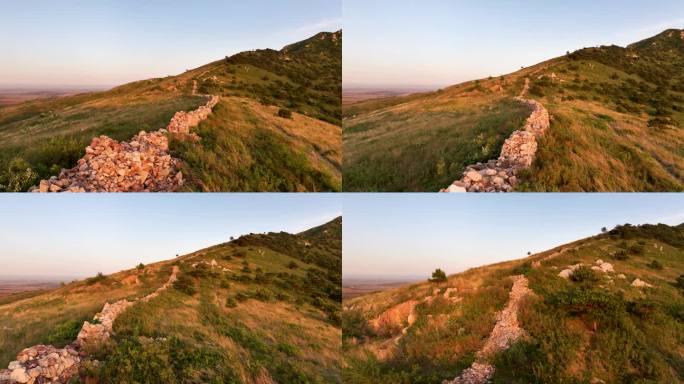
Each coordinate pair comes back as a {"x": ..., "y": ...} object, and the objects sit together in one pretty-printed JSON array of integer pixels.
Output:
[
  {"x": 437, "y": 43},
  {"x": 392, "y": 236},
  {"x": 69, "y": 236},
  {"x": 103, "y": 44}
]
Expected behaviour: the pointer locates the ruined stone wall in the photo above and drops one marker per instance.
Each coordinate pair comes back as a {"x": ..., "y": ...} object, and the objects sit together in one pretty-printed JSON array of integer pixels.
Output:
[
  {"x": 140, "y": 165},
  {"x": 47, "y": 364},
  {"x": 517, "y": 153}
]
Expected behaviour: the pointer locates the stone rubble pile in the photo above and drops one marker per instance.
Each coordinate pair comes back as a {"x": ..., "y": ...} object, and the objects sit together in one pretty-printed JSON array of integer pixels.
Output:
[
  {"x": 506, "y": 331},
  {"x": 140, "y": 165},
  {"x": 182, "y": 122},
  {"x": 476, "y": 374},
  {"x": 100, "y": 330},
  {"x": 143, "y": 164},
  {"x": 42, "y": 364},
  {"x": 46, "y": 364},
  {"x": 517, "y": 153}
]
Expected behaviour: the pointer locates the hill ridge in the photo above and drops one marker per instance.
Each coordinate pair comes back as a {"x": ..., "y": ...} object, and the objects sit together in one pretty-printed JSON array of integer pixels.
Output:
[{"x": 45, "y": 363}]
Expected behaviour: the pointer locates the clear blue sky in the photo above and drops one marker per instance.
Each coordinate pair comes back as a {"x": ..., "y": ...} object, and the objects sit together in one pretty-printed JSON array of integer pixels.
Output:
[
  {"x": 81, "y": 234},
  {"x": 108, "y": 42},
  {"x": 401, "y": 235},
  {"x": 443, "y": 42}
]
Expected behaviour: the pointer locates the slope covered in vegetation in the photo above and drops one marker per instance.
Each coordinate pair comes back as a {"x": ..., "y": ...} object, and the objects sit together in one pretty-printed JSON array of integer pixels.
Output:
[
  {"x": 616, "y": 125},
  {"x": 263, "y": 308},
  {"x": 285, "y": 135},
  {"x": 618, "y": 317}
]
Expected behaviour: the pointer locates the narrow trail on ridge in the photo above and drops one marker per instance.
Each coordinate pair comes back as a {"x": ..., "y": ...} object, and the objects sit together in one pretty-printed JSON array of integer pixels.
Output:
[
  {"x": 517, "y": 153},
  {"x": 506, "y": 331},
  {"x": 47, "y": 364}
]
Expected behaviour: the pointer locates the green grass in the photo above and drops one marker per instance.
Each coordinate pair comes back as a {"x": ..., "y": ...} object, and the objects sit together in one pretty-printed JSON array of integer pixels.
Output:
[
  {"x": 577, "y": 329},
  {"x": 39, "y": 138},
  {"x": 50, "y": 141},
  {"x": 238, "y": 152},
  {"x": 426, "y": 150}
]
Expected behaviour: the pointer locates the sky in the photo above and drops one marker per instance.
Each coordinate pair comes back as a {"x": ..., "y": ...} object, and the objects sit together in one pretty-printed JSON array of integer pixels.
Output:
[
  {"x": 77, "y": 235},
  {"x": 434, "y": 43},
  {"x": 407, "y": 236},
  {"x": 111, "y": 42}
]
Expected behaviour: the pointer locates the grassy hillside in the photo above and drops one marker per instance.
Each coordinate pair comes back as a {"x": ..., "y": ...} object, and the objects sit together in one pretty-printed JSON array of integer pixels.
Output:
[
  {"x": 262, "y": 308},
  {"x": 259, "y": 150},
  {"x": 616, "y": 125},
  {"x": 594, "y": 326}
]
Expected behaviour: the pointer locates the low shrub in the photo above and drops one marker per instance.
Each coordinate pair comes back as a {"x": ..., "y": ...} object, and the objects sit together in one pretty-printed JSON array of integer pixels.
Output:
[
  {"x": 584, "y": 274},
  {"x": 655, "y": 264}
]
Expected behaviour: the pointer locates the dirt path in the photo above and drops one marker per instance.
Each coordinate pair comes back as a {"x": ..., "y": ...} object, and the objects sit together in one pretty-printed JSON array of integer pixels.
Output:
[
  {"x": 516, "y": 154},
  {"x": 506, "y": 331},
  {"x": 47, "y": 364}
]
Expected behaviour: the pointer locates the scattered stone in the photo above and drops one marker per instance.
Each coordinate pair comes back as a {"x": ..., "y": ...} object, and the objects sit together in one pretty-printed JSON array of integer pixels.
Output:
[
  {"x": 621, "y": 276},
  {"x": 640, "y": 283}
]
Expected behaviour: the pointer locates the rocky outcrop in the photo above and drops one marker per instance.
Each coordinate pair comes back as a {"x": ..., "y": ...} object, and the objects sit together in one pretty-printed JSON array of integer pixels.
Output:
[
  {"x": 47, "y": 364},
  {"x": 517, "y": 153},
  {"x": 396, "y": 317},
  {"x": 140, "y": 165},
  {"x": 506, "y": 331},
  {"x": 42, "y": 364}
]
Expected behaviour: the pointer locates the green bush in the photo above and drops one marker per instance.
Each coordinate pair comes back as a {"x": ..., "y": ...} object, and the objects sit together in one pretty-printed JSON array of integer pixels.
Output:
[
  {"x": 285, "y": 113},
  {"x": 354, "y": 325},
  {"x": 141, "y": 266},
  {"x": 64, "y": 333},
  {"x": 522, "y": 269},
  {"x": 292, "y": 265},
  {"x": 438, "y": 276},
  {"x": 621, "y": 254},
  {"x": 655, "y": 264},
  {"x": 185, "y": 284},
  {"x": 680, "y": 282},
  {"x": 96, "y": 279},
  {"x": 19, "y": 176},
  {"x": 584, "y": 274}
]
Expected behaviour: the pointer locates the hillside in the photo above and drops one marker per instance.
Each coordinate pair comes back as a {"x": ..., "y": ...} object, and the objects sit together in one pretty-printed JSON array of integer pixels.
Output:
[
  {"x": 275, "y": 128},
  {"x": 263, "y": 308},
  {"x": 605, "y": 309},
  {"x": 616, "y": 117}
]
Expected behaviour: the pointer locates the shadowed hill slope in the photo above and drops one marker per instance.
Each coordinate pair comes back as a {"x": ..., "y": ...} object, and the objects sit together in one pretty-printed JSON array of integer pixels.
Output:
[
  {"x": 608, "y": 308},
  {"x": 263, "y": 308},
  {"x": 616, "y": 118},
  {"x": 285, "y": 135}
]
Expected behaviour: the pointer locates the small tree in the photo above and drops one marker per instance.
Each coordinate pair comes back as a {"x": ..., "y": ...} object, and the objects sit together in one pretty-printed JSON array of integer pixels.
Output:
[
  {"x": 604, "y": 229},
  {"x": 141, "y": 266},
  {"x": 438, "y": 276},
  {"x": 529, "y": 253}
]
